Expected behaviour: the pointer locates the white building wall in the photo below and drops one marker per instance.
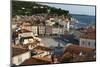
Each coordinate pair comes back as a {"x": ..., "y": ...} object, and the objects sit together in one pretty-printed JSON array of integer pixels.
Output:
[
  {"x": 14, "y": 26},
  {"x": 17, "y": 60},
  {"x": 61, "y": 31},
  {"x": 35, "y": 30},
  {"x": 41, "y": 30},
  {"x": 68, "y": 26},
  {"x": 17, "y": 41},
  {"x": 26, "y": 34},
  {"x": 85, "y": 43},
  {"x": 55, "y": 30}
]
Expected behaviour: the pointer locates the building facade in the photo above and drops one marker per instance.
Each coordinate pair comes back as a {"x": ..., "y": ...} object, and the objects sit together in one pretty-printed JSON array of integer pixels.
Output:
[
  {"x": 41, "y": 30},
  {"x": 20, "y": 55},
  {"x": 35, "y": 30},
  {"x": 88, "y": 39},
  {"x": 57, "y": 31},
  {"x": 48, "y": 30},
  {"x": 85, "y": 42}
]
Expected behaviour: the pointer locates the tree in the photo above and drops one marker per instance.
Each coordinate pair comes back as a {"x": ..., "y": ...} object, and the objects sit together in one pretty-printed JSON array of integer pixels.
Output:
[{"x": 35, "y": 8}]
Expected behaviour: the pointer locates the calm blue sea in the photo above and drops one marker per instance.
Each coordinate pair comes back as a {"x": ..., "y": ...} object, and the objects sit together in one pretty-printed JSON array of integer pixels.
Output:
[{"x": 84, "y": 20}]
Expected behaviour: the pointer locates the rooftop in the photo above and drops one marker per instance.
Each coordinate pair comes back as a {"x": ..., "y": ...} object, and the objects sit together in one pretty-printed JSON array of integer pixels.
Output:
[
  {"x": 24, "y": 31},
  {"x": 43, "y": 48},
  {"x": 77, "y": 49},
  {"x": 18, "y": 51},
  {"x": 89, "y": 33},
  {"x": 88, "y": 36},
  {"x": 35, "y": 61},
  {"x": 72, "y": 53}
]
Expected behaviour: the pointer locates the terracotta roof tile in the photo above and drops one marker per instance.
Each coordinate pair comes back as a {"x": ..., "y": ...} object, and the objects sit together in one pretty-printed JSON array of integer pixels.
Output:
[
  {"x": 77, "y": 49},
  {"x": 18, "y": 51},
  {"x": 34, "y": 61},
  {"x": 89, "y": 33},
  {"x": 43, "y": 48}
]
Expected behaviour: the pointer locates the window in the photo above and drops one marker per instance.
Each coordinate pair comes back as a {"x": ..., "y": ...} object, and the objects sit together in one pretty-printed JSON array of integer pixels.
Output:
[{"x": 88, "y": 43}]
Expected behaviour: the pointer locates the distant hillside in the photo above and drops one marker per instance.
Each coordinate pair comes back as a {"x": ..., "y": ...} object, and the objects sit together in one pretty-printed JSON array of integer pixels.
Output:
[{"x": 29, "y": 8}]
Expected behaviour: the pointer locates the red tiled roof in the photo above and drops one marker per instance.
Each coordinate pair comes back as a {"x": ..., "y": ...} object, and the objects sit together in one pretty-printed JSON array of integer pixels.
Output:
[
  {"x": 77, "y": 49},
  {"x": 89, "y": 36},
  {"x": 65, "y": 56},
  {"x": 43, "y": 48},
  {"x": 89, "y": 33},
  {"x": 88, "y": 30},
  {"x": 18, "y": 51},
  {"x": 24, "y": 30},
  {"x": 91, "y": 30},
  {"x": 34, "y": 61}
]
